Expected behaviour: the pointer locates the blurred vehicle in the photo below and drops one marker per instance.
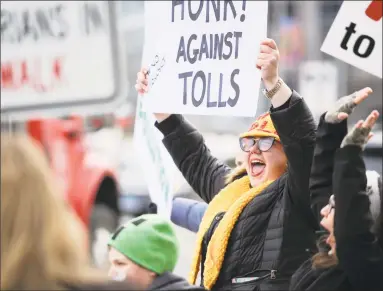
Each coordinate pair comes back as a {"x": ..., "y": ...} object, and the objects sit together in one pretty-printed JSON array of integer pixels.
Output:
[
  {"x": 134, "y": 193},
  {"x": 122, "y": 117},
  {"x": 96, "y": 122},
  {"x": 91, "y": 188},
  {"x": 125, "y": 116}
]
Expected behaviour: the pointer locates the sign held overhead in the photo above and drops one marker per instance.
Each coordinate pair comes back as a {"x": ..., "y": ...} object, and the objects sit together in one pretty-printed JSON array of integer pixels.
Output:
[
  {"x": 355, "y": 37},
  {"x": 209, "y": 56}
]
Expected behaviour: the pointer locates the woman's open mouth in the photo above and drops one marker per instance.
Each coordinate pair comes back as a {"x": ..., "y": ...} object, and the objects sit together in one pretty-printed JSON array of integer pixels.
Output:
[{"x": 257, "y": 167}]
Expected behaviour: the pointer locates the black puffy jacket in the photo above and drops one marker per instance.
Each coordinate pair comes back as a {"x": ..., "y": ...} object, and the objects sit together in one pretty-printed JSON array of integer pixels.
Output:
[{"x": 275, "y": 232}]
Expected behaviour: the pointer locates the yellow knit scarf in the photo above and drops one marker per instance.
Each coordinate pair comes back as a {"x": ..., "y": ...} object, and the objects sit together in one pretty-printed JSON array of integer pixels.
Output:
[{"x": 232, "y": 199}]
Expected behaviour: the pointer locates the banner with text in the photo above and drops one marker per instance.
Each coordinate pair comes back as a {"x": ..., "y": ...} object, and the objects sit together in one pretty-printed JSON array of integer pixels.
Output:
[
  {"x": 208, "y": 51},
  {"x": 355, "y": 37}
]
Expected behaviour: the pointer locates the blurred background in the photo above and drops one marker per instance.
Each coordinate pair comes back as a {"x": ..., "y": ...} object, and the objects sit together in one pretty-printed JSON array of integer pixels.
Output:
[{"x": 299, "y": 28}]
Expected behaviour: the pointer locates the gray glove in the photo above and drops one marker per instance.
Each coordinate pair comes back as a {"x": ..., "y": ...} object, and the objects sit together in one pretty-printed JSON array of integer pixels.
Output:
[
  {"x": 357, "y": 136},
  {"x": 345, "y": 104}
]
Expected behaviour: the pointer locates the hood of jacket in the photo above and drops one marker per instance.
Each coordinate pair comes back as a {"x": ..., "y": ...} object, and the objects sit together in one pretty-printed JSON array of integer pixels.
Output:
[{"x": 235, "y": 174}]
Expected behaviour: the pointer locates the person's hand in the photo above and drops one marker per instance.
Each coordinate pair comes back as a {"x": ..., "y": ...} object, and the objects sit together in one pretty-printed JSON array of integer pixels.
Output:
[
  {"x": 345, "y": 106},
  {"x": 361, "y": 133},
  {"x": 142, "y": 81},
  {"x": 142, "y": 87},
  {"x": 267, "y": 62}
]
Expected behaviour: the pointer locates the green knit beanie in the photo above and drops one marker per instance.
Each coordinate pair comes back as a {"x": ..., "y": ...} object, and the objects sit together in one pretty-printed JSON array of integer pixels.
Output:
[{"x": 149, "y": 241}]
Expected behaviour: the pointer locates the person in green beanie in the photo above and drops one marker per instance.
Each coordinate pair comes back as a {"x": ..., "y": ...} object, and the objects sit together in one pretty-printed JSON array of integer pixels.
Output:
[{"x": 145, "y": 251}]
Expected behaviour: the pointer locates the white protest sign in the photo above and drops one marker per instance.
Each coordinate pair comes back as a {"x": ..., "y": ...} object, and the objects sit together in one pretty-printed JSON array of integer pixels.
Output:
[
  {"x": 210, "y": 49},
  {"x": 318, "y": 81},
  {"x": 355, "y": 37},
  {"x": 161, "y": 174},
  {"x": 60, "y": 57},
  {"x": 155, "y": 165}
]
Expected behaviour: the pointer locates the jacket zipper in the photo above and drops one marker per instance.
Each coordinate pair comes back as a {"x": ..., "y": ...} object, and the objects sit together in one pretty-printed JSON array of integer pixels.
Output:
[
  {"x": 216, "y": 220},
  {"x": 272, "y": 275}
]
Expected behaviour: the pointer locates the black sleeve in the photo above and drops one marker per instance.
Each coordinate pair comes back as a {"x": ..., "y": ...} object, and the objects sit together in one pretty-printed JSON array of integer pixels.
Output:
[
  {"x": 328, "y": 139},
  {"x": 204, "y": 173},
  {"x": 296, "y": 128},
  {"x": 104, "y": 286},
  {"x": 358, "y": 249}
]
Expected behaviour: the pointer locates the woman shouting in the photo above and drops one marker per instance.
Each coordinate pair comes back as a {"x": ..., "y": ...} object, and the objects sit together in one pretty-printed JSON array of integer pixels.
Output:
[{"x": 258, "y": 227}]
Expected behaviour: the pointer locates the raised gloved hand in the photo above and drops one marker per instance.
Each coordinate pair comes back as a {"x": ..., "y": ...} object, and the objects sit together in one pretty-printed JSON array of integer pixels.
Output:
[
  {"x": 361, "y": 132},
  {"x": 345, "y": 106}
]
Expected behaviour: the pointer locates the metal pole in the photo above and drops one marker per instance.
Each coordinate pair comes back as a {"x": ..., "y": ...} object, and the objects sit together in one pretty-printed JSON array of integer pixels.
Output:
[{"x": 311, "y": 20}]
